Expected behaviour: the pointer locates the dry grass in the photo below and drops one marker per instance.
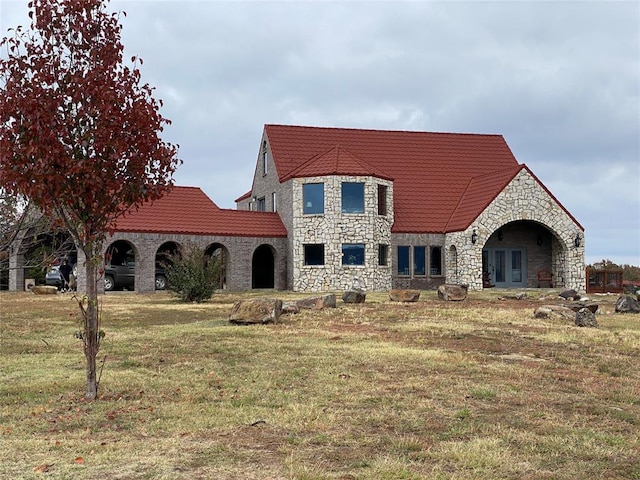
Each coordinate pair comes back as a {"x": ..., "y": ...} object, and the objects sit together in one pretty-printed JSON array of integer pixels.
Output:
[{"x": 478, "y": 389}]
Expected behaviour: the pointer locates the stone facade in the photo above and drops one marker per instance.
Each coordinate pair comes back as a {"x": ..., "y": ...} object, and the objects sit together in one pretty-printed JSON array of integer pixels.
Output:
[{"x": 523, "y": 199}]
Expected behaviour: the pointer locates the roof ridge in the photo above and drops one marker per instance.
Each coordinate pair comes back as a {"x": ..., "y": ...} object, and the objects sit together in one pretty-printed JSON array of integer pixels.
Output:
[{"x": 422, "y": 132}]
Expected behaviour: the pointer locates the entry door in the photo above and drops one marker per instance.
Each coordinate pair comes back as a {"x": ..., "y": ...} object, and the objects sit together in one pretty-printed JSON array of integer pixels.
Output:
[{"x": 506, "y": 267}]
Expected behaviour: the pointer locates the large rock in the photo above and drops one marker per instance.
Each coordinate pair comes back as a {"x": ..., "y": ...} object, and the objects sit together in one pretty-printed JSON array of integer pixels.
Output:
[
  {"x": 627, "y": 304},
  {"x": 569, "y": 295},
  {"x": 554, "y": 311},
  {"x": 576, "y": 306},
  {"x": 586, "y": 318},
  {"x": 317, "y": 303},
  {"x": 354, "y": 296},
  {"x": 452, "y": 293},
  {"x": 256, "y": 310},
  {"x": 398, "y": 295},
  {"x": 44, "y": 290}
]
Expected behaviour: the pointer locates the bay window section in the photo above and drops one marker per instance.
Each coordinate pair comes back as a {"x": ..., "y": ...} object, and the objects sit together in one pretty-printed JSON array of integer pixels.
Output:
[
  {"x": 352, "y": 197},
  {"x": 436, "y": 261},
  {"x": 313, "y": 198},
  {"x": 383, "y": 255},
  {"x": 314, "y": 254}
]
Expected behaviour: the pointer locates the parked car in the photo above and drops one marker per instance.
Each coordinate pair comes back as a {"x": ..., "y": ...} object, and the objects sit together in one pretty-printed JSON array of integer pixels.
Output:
[
  {"x": 123, "y": 276},
  {"x": 53, "y": 277}
]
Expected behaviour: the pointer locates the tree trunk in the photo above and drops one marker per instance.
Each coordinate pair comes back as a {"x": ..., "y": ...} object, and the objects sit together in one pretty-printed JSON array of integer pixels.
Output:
[{"x": 91, "y": 328}]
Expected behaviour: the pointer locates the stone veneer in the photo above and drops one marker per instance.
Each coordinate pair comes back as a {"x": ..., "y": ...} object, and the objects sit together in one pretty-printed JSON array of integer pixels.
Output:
[
  {"x": 522, "y": 199},
  {"x": 333, "y": 229}
]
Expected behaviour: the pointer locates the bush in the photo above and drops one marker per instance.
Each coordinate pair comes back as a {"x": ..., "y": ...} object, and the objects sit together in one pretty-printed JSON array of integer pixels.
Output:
[{"x": 193, "y": 276}]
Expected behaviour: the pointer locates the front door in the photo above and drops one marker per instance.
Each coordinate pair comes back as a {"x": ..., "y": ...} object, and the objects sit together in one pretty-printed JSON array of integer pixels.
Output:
[{"x": 505, "y": 266}]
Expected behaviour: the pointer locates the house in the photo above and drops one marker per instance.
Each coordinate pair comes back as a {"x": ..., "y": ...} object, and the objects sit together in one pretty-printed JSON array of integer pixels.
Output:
[{"x": 388, "y": 209}]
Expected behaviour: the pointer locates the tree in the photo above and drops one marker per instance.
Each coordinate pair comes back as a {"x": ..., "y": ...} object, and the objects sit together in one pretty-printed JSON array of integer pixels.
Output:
[{"x": 79, "y": 132}]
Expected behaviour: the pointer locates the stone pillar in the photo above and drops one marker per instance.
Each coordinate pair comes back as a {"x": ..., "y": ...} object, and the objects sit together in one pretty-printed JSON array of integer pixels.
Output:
[{"x": 16, "y": 271}]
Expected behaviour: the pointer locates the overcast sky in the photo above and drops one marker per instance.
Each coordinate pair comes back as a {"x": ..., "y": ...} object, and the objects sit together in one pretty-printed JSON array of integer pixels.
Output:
[{"x": 559, "y": 80}]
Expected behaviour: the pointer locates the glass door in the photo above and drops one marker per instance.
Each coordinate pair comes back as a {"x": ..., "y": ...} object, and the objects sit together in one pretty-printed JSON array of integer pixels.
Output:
[{"x": 505, "y": 267}]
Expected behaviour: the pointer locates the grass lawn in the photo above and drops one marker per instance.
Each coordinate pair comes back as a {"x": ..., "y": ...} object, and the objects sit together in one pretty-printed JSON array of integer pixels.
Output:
[{"x": 429, "y": 390}]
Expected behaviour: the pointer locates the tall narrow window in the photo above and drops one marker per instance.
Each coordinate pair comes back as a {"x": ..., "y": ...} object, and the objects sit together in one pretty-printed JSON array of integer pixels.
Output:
[
  {"x": 313, "y": 198},
  {"x": 436, "y": 261},
  {"x": 403, "y": 260},
  {"x": 261, "y": 204},
  {"x": 274, "y": 205},
  {"x": 383, "y": 255},
  {"x": 353, "y": 254},
  {"x": 419, "y": 261},
  {"x": 382, "y": 199},
  {"x": 352, "y": 197},
  {"x": 264, "y": 158},
  {"x": 314, "y": 254}
]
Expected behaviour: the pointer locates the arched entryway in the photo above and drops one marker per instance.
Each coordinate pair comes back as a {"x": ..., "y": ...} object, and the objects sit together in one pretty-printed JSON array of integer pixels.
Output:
[
  {"x": 263, "y": 267},
  {"x": 120, "y": 266},
  {"x": 219, "y": 253},
  {"x": 165, "y": 256},
  {"x": 514, "y": 253}
]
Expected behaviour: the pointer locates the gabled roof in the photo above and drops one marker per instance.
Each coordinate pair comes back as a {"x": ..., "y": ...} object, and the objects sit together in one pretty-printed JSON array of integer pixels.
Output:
[
  {"x": 188, "y": 210},
  {"x": 336, "y": 161},
  {"x": 431, "y": 171}
]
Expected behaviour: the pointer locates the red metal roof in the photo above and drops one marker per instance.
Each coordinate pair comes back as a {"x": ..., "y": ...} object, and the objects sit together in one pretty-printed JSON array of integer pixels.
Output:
[
  {"x": 188, "y": 210},
  {"x": 431, "y": 171}
]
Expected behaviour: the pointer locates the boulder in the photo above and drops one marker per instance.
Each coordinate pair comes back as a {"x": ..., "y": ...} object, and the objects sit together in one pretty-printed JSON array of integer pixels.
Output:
[
  {"x": 569, "y": 294},
  {"x": 554, "y": 311},
  {"x": 586, "y": 318},
  {"x": 626, "y": 304},
  {"x": 44, "y": 290},
  {"x": 398, "y": 295},
  {"x": 290, "y": 307},
  {"x": 354, "y": 296},
  {"x": 576, "y": 306},
  {"x": 452, "y": 293},
  {"x": 256, "y": 310},
  {"x": 317, "y": 303}
]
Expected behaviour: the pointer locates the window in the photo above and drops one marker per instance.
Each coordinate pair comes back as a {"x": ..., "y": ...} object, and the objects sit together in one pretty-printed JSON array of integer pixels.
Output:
[
  {"x": 403, "y": 260},
  {"x": 382, "y": 199},
  {"x": 261, "y": 205},
  {"x": 383, "y": 255},
  {"x": 352, "y": 197},
  {"x": 313, "y": 198},
  {"x": 419, "y": 261},
  {"x": 264, "y": 158},
  {"x": 353, "y": 254},
  {"x": 436, "y": 261},
  {"x": 314, "y": 254},
  {"x": 273, "y": 202}
]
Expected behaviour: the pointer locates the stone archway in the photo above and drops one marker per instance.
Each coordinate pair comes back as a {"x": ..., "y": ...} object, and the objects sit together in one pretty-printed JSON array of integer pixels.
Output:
[
  {"x": 165, "y": 256},
  {"x": 120, "y": 266},
  {"x": 263, "y": 267},
  {"x": 219, "y": 253}
]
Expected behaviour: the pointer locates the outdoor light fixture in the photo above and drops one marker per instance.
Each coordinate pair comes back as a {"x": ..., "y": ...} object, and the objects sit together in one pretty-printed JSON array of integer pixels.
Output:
[
  {"x": 474, "y": 236},
  {"x": 539, "y": 240},
  {"x": 500, "y": 235},
  {"x": 578, "y": 241}
]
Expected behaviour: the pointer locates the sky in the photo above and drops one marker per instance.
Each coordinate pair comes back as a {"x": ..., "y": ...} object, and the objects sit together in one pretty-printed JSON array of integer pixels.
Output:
[{"x": 559, "y": 80}]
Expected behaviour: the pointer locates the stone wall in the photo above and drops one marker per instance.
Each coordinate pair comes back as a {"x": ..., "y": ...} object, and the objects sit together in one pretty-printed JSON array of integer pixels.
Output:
[
  {"x": 523, "y": 199},
  {"x": 333, "y": 229}
]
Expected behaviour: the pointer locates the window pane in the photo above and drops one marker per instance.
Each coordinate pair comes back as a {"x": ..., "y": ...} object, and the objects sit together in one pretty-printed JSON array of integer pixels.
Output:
[
  {"x": 383, "y": 255},
  {"x": 313, "y": 198},
  {"x": 262, "y": 205},
  {"x": 419, "y": 261},
  {"x": 353, "y": 254},
  {"x": 436, "y": 260},
  {"x": 352, "y": 197},
  {"x": 403, "y": 260},
  {"x": 314, "y": 254},
  {"x": 382, "y": 199}
]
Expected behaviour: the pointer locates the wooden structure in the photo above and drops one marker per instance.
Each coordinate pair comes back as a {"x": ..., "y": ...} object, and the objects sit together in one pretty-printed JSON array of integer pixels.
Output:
[
  {"x": 604, "y": 281},
  {"x": 545, "y": 276}
]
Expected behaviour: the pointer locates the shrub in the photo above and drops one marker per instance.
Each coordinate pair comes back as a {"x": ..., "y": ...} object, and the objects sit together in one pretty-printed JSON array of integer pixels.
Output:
[{"x": 192, "y": 275}]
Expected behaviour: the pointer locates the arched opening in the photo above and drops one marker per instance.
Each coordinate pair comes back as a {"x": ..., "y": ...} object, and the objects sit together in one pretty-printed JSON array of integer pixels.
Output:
[
  {"x": 120, "y": 266},
  {"x": 515, "y": 252},
  {"x": 218, "y": 252},
  {"x": 452, "y": 264},
  {"x": 165, "y": 256},
  {"x": 263, "y": 267},
  {"x": 50, "y": 258}
]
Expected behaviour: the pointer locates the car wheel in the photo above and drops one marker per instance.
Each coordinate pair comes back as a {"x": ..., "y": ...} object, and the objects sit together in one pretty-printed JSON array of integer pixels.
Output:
[
  {"x": 161, "y": 282},
  {"x": 108, "y": 283}
]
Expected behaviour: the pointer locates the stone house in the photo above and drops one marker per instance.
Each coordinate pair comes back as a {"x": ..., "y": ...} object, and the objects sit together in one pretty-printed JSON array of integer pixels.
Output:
[{"x": 387, "y": 209}]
